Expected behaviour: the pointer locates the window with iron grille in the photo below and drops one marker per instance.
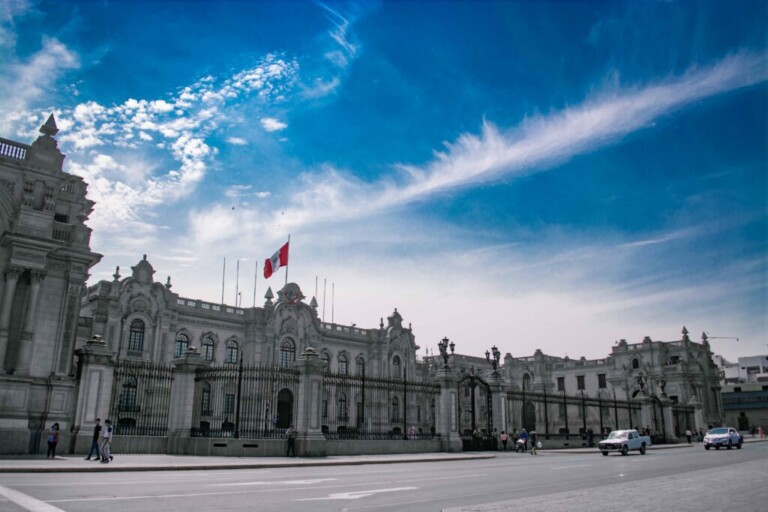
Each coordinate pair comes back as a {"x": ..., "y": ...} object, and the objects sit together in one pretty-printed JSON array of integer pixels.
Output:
[
  {"x": 579, "y": 382},
  {"x": 229, "y": 403},
  {"x": 561, "y": 383},
  {"x": 326, "y": 362},
  {"x": 287, "y": 354},
  {"x": 232, "y": 352},
  {"x": 127, "y": 401},
  {"x": 182, "y": 344},
  {"x": 360, "y": 367},
  {"x": 206, "y": 401},
  {"x": 601, "y": 382},
  {"x": 136, "y": 336},
  {"x": 395, "y": 409},
  {"x": 396, "y": 368},
  {"x": 343, "y": 415},
  {"x": 342, "y": 365},
  {"x": 208, "y": 348}
]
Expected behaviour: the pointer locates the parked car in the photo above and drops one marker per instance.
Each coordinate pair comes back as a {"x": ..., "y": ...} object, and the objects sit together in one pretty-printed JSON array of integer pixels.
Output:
[
  {"x": 723, "y": 436},
  {"x": 624, "y": 441}
]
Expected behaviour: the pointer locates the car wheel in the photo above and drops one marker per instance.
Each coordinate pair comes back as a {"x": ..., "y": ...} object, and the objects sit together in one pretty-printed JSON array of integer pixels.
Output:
[
  {"x": 605, "y": 453},
  {"x": 739, "y": 445},
  {"x": 706, "y": 447},
  {"x": 730, "y": 445},
  {"x": 642, "y": 449},
  {"x": 624, "y": 450},
  {"x": 717, "y": 447}
]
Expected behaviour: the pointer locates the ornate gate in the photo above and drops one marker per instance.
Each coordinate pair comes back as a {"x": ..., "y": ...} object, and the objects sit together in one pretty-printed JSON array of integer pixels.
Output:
[{"x": 475, "y": 414}]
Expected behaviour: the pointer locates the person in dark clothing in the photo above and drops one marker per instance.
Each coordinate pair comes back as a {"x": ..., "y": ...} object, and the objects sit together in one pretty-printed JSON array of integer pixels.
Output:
[
  {"x": 291, "y": 435},
  {"x": 95, "y": 442},
  {"x": 53, "y": 440}
]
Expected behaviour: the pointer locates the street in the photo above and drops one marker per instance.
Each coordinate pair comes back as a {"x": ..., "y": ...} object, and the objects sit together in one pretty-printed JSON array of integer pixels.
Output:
[{"x": 681, "y": 479}]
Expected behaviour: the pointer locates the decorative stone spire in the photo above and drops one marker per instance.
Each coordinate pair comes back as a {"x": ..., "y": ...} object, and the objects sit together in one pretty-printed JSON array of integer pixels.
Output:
[
  {"x": 313, "y": 303},
  {"x": 49, "y": 128},
  {"x": 116, "y": 275},
  {"x": 685, "y": 334},
  {"x": 168, "y": 283},
  {"x": 269, "y": 295}
]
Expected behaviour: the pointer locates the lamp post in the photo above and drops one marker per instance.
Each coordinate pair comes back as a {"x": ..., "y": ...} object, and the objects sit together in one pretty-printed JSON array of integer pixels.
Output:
[
  {"x": 443, "y": 345},
  {"x": 493, "y": 357}
]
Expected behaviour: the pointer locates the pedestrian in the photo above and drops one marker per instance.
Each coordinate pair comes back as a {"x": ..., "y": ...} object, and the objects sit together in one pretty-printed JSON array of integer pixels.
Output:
[
  {"x": 504, "y": 437},
  {"x": 106, "y": 441},
  {"x": 534, "y": 446},
  {"x": 95, "y": 441},
  {"x": 53, "y": 440},
  {"x": 291, "y": 435},
  {"x": 590, "y": 437},
  {"x": 524, "y": 438},
  {"x": 689, "y": 435}
]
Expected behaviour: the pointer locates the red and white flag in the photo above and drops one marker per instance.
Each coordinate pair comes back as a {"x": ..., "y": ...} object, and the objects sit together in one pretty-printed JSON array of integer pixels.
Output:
[{"x": 279, "y": 259}]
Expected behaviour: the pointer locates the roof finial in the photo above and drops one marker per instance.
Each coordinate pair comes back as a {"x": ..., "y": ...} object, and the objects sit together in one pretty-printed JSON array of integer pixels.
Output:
[{"x": 49, "y": 128}]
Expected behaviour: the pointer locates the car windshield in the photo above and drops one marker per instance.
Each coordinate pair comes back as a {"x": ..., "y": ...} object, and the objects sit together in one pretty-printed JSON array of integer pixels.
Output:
[
  {"x": 718, "y": 431},
  {"x": 617, "y": 435}
]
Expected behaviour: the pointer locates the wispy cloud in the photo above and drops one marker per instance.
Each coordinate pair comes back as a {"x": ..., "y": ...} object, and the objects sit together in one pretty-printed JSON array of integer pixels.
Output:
[{"x": 534, "y": 146}]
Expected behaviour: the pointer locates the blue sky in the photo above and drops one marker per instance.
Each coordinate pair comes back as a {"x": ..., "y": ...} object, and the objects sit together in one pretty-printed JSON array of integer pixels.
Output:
[{"x": 553, "y": 175}]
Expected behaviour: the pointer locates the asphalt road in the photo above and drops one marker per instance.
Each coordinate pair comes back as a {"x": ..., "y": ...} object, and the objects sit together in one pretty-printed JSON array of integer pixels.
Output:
[{"x": 686, "y": 479}]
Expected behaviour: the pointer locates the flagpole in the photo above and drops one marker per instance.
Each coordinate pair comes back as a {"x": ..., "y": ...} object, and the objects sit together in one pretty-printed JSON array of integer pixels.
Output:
[
  {"x": 237, "y": 282},
  {"x": 223, "y": 274},
  {"x": 286, "y": 266},
  {"x": 324, "y": 280},
  {"x": 333, "y": 300},
  {"x": 255, "y": 277}
]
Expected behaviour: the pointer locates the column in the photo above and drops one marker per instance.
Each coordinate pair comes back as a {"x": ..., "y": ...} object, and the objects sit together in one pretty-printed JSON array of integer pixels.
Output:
[
  {"x": 310, "y": 441},
  {"x": 183, "y": 392},
  {"x": 94, "y": 390},
  {"x": 447, "y": 420},
  {"x": 499, "y": 403},
  {"x": 12, "y": 275},
  {"x": 669, "y": 419},
  {"x": 27, "y": 346}
]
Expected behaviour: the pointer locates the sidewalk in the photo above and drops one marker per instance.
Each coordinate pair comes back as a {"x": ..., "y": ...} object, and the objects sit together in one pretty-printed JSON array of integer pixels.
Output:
[{"x": 77, "y": 464}]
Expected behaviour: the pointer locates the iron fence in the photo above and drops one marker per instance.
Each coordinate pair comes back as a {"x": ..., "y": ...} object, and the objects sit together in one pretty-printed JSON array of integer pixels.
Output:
[
  {"x": 360, "y": 407},
  {"x": 564, "y": 416},
  {"x": 683, "y": 418},
  {"x": 141, "y": 398},
  {"x": 254, "y": 402}
]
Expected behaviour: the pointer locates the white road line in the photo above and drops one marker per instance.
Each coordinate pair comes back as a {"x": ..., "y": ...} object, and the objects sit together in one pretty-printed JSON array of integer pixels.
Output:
[
  {"x": 569, "y": 467},
  {"x": 278, "y": 482},
  {"x": 356, "y": 495},
  {"x": 27, "y": 502}
]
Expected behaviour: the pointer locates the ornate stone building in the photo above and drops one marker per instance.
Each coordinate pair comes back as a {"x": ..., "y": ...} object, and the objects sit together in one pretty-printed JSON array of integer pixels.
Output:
[
  {"x": 44, "y": 258},
  {"x": 175, "y": 373}
]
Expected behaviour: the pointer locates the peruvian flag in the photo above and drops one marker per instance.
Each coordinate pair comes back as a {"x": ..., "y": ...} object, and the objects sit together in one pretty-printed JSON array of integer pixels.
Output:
[{"x": 279, "y": 259}]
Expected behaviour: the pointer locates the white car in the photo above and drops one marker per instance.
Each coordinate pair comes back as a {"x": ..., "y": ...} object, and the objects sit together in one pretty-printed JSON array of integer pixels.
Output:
[
  {"x": 624, "y": 441},
  {"x": 722, "y": 436}
]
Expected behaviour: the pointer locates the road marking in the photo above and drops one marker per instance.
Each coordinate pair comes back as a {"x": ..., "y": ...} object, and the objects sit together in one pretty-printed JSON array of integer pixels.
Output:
[
  {"x": 283, "y": 482},
  {"x": 356, "y": 495},
  {"x": 569, "y": 467},
  {"x": 27, "y": 502}
]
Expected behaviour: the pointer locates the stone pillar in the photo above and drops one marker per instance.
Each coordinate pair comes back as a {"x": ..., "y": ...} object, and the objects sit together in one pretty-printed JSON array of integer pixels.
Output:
[
  {"x": 698, "y": 414},
  {"x": 669, "y": 419},
  {"x": 646, "y": 411},
  {"x": 499, "y": 403},
  {"x": 183, "y": 392},
  {"x": 94, "y": 392},
  {"x": 27, "y": 346},
  {"x": 12, "y": 275},
  {"x": 447, "y": 411},
  {"x": 310, "y": 441}
]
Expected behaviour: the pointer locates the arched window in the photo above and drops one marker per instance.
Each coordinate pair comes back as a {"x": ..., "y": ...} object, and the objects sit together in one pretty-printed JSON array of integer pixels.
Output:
[
  {"x": 360, "y": 366},
  {"x": 136, "y": 336},
  {"x": 287, "y": 353},
  {"x": 396, "y": 367},
  {"x": 208, "y": 348},
  {"x": 635, "y": 363},
  {"x": 342, "y": 407},
  {"x": 232, "y": 352},
  {"x": 326, "y": 362},
  {"x": 342, "y": 364},
  {"x": 182, "y": 344},
  {"x": 526, "y": 382},
  {"x": 395, "y": 410},
  {"x": 206, "y": 402},
  {"x": 127, "y": 401}
]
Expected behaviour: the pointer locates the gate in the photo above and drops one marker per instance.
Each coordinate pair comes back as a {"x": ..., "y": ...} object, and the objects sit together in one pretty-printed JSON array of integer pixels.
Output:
[
  {"x": 475, "y": 414},
  {"x": 141, "y": 398}
]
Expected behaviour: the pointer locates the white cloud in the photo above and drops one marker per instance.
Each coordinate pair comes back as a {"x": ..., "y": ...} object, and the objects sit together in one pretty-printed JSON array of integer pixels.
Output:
[
  {"x": 237, "y": 141},
  {"x": 271, "y": 124}
]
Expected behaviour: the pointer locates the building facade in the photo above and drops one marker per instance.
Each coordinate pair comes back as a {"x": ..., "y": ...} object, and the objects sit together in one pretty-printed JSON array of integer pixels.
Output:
[{"x": 180, "y": 375}]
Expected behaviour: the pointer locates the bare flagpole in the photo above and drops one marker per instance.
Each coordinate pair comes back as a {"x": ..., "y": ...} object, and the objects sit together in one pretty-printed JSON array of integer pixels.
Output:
[
  {"x": 237, "y": 282},
  {"x": 324, "y": 281},
  {"x": 223, "y": 274},
  {"x": 333, "y": 300}
]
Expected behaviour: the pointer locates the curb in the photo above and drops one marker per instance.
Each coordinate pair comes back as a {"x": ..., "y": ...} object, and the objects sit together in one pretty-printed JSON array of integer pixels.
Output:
[{"x": 208, "y": 467}]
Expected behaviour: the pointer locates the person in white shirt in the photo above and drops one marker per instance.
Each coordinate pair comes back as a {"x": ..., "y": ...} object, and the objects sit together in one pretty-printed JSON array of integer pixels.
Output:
[{"x": 106, "y": 440}]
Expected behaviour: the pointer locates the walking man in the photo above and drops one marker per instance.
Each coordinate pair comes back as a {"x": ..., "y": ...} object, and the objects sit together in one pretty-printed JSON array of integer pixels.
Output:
[
  {"x": 291, "y": 435},
  {"x": 95, "y": 442},
  {"x": 106, "y": 440}
]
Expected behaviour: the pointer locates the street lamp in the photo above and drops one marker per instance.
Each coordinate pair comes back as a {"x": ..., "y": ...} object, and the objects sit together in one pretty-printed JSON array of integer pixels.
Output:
[
  {"x": 496, "y": 358},
  {"x": 443, "y": 345}
]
